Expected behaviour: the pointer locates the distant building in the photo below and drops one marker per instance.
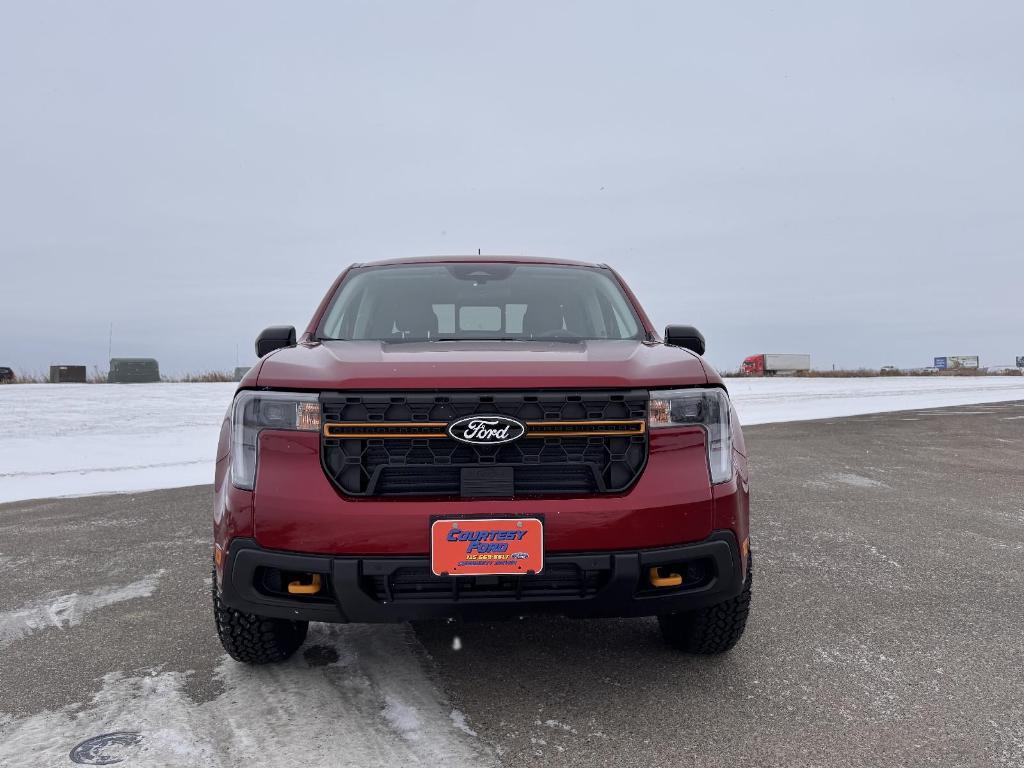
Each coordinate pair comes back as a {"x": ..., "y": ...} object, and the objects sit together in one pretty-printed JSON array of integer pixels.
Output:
[
  {"x": 133, "y": 370},
  {"x": 67, "y": 374}
]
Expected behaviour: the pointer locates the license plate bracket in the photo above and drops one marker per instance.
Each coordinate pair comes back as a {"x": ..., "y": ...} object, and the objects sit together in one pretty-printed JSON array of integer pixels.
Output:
[{"x": 489, "y": 546}]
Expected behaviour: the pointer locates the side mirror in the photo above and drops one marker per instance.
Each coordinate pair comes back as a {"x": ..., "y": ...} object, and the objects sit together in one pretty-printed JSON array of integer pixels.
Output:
[
  {"x": 274, "y": 337},
  {"x": 685, "y": 336}
]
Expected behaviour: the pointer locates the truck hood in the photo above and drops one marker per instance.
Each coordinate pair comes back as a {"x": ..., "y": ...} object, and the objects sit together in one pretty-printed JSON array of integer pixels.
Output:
[{"x": 481, "y": 365}]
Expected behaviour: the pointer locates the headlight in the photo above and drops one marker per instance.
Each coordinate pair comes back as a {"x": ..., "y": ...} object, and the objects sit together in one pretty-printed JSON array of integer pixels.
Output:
[
  {"x": 253, "y": 411},
  {"x": 708, "y": 408}
]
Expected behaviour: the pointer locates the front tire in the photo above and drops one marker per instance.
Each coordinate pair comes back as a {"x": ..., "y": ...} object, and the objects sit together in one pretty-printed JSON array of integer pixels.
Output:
[
  {"x": 254, "y": 639},
  {"x": 711, "y": 630}
]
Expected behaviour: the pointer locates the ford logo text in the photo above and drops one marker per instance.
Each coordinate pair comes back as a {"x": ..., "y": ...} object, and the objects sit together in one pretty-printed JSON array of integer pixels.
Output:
[{"x": 486, "y": 430}]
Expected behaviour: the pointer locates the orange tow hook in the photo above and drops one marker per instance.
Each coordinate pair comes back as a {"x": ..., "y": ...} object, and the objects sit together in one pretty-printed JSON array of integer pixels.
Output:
[
  {"x": 298, "y": 588},
  {"x": 657, "y": 580}
]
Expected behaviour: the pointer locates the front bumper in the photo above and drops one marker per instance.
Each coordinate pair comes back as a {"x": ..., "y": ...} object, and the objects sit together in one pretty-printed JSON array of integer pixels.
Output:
[{"x": 393, "y": 589}]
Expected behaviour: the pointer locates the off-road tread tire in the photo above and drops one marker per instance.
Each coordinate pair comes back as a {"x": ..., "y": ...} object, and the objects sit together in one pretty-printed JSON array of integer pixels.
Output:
[
  {"x": 254, "y": 639},
  {"x": 711, "y": 630}
]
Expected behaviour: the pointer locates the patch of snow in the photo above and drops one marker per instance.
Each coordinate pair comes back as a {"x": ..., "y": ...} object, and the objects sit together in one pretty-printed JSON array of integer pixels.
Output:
[
  {"x": 402, "y": 718},
  {"x": 292, "y": 714},
  {"x": 883, "y": 557},
  {"x": 858, "y": 481},
  {"x": 7, "y": 562},
  {"x": 63, "y": 611},
  {"x": 557, "y": 725},
  {"x": 459, "y": 719}
]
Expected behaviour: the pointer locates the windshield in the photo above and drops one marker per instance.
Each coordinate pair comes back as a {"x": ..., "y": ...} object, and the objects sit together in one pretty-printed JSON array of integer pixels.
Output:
[{"x": 440, "y": 302}]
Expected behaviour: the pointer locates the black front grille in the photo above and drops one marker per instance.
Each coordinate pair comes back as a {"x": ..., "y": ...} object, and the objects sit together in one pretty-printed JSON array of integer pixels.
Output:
[
  {"x": 393, "y": 444},
  {"x": 556, "y": 580}
]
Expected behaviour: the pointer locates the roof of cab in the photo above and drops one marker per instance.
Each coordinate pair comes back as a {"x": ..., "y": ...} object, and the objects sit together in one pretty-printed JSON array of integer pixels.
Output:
[{"x": 480, "y": 258}]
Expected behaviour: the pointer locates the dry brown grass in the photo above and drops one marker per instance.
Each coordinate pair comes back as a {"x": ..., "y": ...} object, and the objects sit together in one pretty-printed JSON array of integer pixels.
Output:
[
  {"x": 205, "y": 377},
  {"x": 25, "y": 377},
  {"x": 855, "y": 373}
]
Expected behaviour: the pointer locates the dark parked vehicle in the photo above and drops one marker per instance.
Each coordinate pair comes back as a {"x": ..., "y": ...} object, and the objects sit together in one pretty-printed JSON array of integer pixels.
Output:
[
  {"x": 458, "y": 437},
  {"x": 6, "y": 375},
  {"x": 67, "y": 374},
  {"x": 133, "y": 370}
]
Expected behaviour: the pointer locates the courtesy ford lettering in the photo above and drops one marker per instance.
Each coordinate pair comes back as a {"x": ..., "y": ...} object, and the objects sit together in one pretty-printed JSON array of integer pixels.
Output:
[
  {"x": 480, "y": 541},
  {"x": 455, "y": 535}
]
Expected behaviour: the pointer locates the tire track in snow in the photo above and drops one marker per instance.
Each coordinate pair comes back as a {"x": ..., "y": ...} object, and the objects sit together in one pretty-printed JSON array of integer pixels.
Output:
[{"x": 359, "y": 696}]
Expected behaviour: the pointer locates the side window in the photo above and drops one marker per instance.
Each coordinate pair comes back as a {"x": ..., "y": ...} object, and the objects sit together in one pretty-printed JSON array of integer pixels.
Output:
[
  {"x": 624, "y": 324},
  {"x": 342, "y": 317},
  {"x": 445, "y": 317},
  {"x": 363, "y": 316},
  {"x": 514, "y": 314},
  {"x": 612, "y": 320},
  {"x": 596, "y": 316}
]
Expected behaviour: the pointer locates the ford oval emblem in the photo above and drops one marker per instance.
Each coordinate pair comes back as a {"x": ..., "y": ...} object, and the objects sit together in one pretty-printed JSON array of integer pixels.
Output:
[{"x": 486, "y": 429}]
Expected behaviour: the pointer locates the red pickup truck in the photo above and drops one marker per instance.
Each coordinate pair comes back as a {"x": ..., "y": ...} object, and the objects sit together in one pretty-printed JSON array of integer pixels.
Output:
[{"x": 479, "y": 438}]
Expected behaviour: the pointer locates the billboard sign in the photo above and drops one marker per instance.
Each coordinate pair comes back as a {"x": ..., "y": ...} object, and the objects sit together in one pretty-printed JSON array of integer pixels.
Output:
[
  {"x": 940, "y": 363},
  {"x": 960, "y": 362},
  {"x": 1020, "y": 362}
]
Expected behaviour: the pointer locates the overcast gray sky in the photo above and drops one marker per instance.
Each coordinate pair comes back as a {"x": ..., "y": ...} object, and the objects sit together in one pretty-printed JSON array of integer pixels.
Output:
[{"x": 843, "y": 179}]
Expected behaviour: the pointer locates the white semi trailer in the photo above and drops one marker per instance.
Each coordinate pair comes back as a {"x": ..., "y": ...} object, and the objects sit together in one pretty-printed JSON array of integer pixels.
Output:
[{"x": 772, "y": 363}]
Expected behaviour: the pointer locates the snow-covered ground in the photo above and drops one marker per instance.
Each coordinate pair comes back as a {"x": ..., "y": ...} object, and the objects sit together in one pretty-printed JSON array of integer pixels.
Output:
[
  {"x": 77, "y": 439},
  {"x": 369, "y": 701},
  {"x": 70, "y": 440},
  {"x": 765, "y": 401}
]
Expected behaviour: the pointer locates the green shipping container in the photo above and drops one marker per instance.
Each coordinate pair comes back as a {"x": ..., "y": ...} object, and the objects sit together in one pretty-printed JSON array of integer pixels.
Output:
[{"x": 133, "y": 370}]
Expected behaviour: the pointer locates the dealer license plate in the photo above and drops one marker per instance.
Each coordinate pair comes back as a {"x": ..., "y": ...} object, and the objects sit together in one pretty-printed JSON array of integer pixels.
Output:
[{"x": 487, "y": 547}]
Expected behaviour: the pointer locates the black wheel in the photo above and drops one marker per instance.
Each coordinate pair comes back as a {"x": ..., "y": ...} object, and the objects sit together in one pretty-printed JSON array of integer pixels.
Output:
[
  {"x": 256, "y": 639},
  {"x": 710, "y": 630}
]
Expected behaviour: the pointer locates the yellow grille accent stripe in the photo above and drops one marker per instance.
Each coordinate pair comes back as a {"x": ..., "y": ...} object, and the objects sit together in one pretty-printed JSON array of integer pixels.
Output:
[{"x": 534, "y": 429}]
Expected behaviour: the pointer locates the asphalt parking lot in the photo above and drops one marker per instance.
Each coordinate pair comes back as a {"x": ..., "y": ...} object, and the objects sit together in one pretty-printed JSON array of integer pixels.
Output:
[{"x": 886, "y": 630}]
